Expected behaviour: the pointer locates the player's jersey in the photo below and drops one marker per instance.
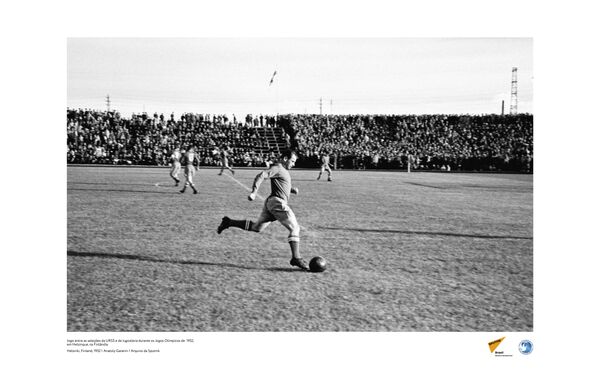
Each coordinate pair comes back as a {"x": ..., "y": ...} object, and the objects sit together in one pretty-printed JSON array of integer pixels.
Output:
[
  {"x": 281, "y": 181},
  {"x": 175, "y": 157},
  {"x": 325, "y": 160},
  {"x": 224, "y": 155},
  {"x": 188, "y": 158}
]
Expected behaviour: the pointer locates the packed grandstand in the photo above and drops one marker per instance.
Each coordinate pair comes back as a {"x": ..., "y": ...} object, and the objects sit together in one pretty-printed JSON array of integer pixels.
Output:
[{"x": 426, "y": 142}]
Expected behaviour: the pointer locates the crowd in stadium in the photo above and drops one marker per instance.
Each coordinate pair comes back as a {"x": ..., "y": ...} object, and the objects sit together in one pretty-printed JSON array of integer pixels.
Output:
[
  {"x": 433, "y": 142},
  {"x": 444, "y": 142},
  {"x": 95, "y": 137}
]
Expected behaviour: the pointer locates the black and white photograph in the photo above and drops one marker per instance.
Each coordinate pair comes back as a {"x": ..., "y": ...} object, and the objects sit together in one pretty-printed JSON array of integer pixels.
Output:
[
  {"x": 316, "y": 188},
  {"x": 300, "y": 184}
]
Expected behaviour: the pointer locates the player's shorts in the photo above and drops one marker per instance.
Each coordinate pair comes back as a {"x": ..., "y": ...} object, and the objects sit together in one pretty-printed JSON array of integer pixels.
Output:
[
  {"x": 175, "y": 168},
  {"x": 277, "y": 209},
  {"x": 224, "y": 162},
  {"x": 189, "y": 171}
]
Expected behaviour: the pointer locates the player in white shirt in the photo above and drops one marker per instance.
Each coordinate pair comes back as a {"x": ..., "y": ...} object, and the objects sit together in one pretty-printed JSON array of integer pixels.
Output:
[
  {"x": 176, "y": 165},
  {"x": 325, "y": 166},
  {"x": 223, "y": 154}
]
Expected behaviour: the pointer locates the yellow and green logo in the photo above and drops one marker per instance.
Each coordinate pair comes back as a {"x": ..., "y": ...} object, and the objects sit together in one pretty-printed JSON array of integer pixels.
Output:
[{"x": 495, "y": 343}]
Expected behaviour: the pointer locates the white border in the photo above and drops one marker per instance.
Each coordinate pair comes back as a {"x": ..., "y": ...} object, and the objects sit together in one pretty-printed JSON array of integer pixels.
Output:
[{"x": 566, "y": 205}]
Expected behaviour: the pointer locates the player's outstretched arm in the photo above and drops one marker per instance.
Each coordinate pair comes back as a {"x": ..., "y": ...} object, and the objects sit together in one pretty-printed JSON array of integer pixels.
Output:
[{"x": 257, "y": 181}]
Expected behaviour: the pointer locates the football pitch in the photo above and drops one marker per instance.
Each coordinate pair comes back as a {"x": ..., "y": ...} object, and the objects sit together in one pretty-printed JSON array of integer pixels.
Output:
[{"x": 405, "y": 252}]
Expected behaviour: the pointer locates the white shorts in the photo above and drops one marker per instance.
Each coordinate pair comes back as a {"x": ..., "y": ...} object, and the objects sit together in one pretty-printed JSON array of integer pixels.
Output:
[{"x": 277, "y": 209}]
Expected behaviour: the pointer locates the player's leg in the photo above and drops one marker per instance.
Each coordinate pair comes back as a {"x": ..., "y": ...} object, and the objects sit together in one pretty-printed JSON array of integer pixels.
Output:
[
  {"x": 284, "y": 214},
  {"x": 291, "y": 224},
  {"x": 226, "y": 164},
  {"x": 177, "y": 170},
  {"x": 328, "y": 173},
  {"x": 191, "y": 179},
  {"x": 187, "y": 179},
  {"x": 175, "y": 173},
  {"x": 321, "y": 172},
  {"x": 264, "y": 219}
]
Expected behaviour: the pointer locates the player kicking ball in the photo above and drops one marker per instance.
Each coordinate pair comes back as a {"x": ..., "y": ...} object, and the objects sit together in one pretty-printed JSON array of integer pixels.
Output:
[{"x": 275, "y": 206}]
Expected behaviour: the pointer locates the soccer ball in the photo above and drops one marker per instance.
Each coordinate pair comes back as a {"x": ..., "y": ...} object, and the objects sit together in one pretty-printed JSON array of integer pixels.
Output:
[{"x": 317, "y": 264}]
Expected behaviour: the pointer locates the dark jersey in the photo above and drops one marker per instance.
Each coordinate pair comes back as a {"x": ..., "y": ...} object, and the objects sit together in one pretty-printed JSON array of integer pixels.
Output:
[{"x": 281, "y": 181}]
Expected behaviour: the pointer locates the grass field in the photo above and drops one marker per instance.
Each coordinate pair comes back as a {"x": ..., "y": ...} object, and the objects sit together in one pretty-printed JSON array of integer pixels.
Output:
[{"x": 406, "y": 252}]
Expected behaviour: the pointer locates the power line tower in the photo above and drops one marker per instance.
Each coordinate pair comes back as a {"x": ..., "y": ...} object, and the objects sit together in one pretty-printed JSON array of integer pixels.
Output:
[
  {"x": 107, "y": 103},
  {"x": 321, "y": 106},
  {"x": 513, "y": 92}
]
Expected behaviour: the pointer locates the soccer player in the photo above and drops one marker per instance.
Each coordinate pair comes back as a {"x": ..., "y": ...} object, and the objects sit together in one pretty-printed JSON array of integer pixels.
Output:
[
  {"x": 175, "y": 159},
  {"x": 224, "y": 163},
  {"x": 275, "y": 206},
  {"x": 189, "y": 170},
  {"x": 325, "y": 166}
]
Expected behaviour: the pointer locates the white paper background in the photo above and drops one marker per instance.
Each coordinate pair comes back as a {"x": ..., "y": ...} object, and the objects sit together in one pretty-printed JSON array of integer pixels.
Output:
[{"x": 33, "y": 68}]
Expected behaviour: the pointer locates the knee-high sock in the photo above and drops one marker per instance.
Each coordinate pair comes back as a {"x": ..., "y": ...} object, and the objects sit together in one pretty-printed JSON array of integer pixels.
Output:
[
  {"x": 295, "y": 247},
  {"x": 242, "y": 224}
]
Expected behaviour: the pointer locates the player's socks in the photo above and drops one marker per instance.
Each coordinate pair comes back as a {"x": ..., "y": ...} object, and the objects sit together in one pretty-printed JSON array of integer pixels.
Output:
[
  {"x": 296, "y": 259},
  {"x": 319, "y": 177},
  {"x": 242, "y": 224},
  {"x": 295, "y": 247}
]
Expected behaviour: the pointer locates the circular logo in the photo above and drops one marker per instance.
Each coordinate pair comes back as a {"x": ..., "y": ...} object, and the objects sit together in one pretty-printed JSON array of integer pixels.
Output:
[{"x": 525, "y": 347}]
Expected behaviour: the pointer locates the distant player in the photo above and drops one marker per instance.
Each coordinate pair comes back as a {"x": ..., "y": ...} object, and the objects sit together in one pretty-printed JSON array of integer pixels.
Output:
[
  {"x": 223, "y": 154},
  {"x": 188, "y": 161},
  {"x": 175, "y": 160},
  {"x": 325, "y": 166},
  {"x": 275, "y": 206}
]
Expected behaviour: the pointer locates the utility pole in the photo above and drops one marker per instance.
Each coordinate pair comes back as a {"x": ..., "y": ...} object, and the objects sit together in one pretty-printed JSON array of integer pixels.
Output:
[
  {"x": 107, "y": 103},
  {"x": 321, "y": 106},
  {"x": 513, "y": 92},
  {"x": 502, "y": 107}
]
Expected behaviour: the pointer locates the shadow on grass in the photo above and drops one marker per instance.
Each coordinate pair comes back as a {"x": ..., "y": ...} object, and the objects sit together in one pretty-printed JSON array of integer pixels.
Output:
[
  {"x": 469, "y": 186},
  {"x": 175, "y": 261},
  {"x": 133, "y": 191},
  {"x": 443, "y": 234},
  {"x": 424, "y": 185},
  {"x": 114, "y": 184}
]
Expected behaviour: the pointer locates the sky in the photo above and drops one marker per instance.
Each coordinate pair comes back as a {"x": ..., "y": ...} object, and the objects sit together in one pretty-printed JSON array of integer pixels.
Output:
[{"x": 314, "y": 75}]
